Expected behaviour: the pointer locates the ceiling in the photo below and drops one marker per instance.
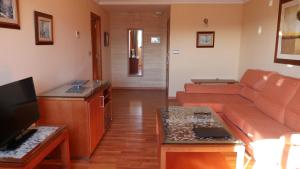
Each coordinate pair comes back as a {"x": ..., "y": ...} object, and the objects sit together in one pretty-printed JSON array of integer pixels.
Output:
[
  {"x": 135, "y": 8},
  {"x": 166, "y": 2}
]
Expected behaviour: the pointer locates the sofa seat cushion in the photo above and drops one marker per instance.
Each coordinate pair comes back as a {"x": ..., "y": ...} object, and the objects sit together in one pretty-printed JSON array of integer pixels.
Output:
[
  {"x": 215, "y": 101},
  {"x": 254, "y": 123}
]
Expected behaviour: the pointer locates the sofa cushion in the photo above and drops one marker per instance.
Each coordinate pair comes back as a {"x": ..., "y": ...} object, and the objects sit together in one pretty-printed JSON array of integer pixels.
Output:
[
  {"x": 253, "y": 82},
  {"x": 292, "y": 114},
  {"x": 249, "y": 93},
  {"x": 276, "y": 95},
  {"x": 215, "y": 101},
  {"x": 213, "y": 88},
  {"x": 256, "y": 79},
  {"x": 254, "y": 123}
]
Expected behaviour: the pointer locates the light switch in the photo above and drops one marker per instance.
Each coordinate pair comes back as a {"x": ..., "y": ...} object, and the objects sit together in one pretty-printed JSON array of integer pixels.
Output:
[{"x": 176, "y": 51}]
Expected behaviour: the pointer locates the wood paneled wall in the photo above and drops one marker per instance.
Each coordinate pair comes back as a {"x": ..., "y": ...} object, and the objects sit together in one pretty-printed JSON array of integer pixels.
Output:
[{"x": 154, "y": 74}]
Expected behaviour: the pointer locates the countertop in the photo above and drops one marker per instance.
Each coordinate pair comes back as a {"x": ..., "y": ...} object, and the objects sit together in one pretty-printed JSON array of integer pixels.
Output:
[{"x": 83, "y": 89}]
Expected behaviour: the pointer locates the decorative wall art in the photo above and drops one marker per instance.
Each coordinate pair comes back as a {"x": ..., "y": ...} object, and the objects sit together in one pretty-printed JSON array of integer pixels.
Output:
[
  {"x": 9, "y": 14},
  {"x": 43, "y": 28},
  {"x": 288, "y": 33},
  {"x": 205, "y": 39},
  {"x": 155, "y": 39}
]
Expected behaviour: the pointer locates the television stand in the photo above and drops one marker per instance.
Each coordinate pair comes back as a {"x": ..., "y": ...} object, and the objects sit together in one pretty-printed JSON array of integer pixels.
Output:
[
  {"x": 19, "y": 140},
  {"x": 34, "y": 150}
]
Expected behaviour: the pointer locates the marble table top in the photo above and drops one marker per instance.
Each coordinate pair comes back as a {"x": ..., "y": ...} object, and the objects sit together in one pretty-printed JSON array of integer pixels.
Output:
[
  {"x": 38, "y": 137},
  {"x": 179, "y": 124}
]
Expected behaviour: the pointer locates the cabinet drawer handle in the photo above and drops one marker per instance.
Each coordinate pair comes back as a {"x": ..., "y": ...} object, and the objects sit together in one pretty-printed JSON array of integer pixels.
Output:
[{"x": 102, "y": 101}]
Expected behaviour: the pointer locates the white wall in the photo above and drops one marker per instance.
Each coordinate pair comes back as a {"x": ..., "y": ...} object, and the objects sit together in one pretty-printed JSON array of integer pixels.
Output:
[
  {"x": 219, "y": 62},
  {"x": 154, "y": 73},
  {"x": 257, "y": 50},
  {"x": 52, "y": 65}
]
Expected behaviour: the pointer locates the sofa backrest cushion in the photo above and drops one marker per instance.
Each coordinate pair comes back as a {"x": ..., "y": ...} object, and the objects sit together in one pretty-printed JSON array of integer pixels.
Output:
[
  {"x": 254, "y": 81},
  {"x": 249, "y": 93},
  {"x": 276, "y": 95},
  {"x": 292, "y": 114}
]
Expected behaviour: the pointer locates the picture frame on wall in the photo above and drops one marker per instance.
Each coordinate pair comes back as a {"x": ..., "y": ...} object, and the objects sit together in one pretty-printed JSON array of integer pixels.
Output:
[
  {"x": 287, "y": 50},
  {"x": 43, "y": 28},
  {"x": 155, "y": 40},
  {"x": 106, "y": 39},
  {"x": 9, "y": 14},
  {"x": 205, "y": 39}
]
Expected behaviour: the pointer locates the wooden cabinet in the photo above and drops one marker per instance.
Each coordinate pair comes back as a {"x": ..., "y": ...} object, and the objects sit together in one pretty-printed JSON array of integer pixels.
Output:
[
  {"x": 96, "y": 120},
  {"x": 84, "y": 117},
  {"x": 107, "y": 108}
]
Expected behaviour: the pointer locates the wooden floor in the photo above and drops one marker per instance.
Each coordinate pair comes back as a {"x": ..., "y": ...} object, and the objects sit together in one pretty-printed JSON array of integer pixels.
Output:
[{"x": 131, "y": 141}]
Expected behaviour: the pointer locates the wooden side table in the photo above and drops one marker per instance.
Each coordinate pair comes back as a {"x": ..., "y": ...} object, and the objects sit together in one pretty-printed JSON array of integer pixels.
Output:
[
  {"x": 59, "y": 139},
  {"x": 213, "y": 81}
]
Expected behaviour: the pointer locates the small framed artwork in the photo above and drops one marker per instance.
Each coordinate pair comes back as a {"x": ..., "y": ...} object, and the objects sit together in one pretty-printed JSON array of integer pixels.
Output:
[
  {"x": 205, "y": 39},
  {"x": 43, "y": 28},
  {"x": 9, "y": 14},
  {"x": 106, "y": 39},
  {"x": 288, "y": 33},
  {"x": 155, "y": 39}
]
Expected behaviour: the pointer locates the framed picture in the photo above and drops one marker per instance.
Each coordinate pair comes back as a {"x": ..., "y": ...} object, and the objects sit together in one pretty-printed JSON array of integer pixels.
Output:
[
  {"x": 9, "y": 14},
  {"x": 106, "y": 39},
  {"x": 288, "y": 33},
  {"x": 205, "y": 39},
  {"x": 155, "y": 39},
  {"x": 43, "y": 28}
]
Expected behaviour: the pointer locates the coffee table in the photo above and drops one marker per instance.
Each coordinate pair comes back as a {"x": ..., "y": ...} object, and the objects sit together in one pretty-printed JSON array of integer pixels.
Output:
[{"x": 181, "y": 146}]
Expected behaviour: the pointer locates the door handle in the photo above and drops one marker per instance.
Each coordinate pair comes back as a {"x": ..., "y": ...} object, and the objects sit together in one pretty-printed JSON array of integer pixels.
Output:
[{"x": 101, "y": 101}]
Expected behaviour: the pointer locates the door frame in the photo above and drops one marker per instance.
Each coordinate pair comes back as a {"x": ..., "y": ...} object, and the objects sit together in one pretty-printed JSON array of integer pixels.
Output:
[
  {"x": 168, "y": 57},
  {"x": 96, "y": 38}
]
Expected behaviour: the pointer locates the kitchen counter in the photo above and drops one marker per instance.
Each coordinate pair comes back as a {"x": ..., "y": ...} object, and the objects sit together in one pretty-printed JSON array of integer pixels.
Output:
[{"x": 77, "y": 89}]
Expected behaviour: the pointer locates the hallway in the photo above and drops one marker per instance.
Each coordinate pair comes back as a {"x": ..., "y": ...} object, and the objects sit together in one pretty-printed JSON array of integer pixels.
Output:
[{"x": 131, "y": 141}]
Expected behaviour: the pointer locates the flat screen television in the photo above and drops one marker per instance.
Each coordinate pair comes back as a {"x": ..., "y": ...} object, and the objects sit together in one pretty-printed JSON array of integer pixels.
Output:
[{"x": 18, "y": 110}]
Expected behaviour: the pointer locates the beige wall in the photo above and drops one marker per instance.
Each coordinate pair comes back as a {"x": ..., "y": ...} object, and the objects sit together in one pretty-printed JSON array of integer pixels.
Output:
[
  {"x": 154, "y": 54},
  {"x": 219, "y": 62},
  {"x": 257, "y": 50},
  {"x": 56, "y": 64}
]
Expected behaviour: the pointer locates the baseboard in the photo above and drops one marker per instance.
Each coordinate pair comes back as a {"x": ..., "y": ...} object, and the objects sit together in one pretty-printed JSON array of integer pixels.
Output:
[
  {"x": 139, "y": 88},
  {"x": 172, "y": 98}
]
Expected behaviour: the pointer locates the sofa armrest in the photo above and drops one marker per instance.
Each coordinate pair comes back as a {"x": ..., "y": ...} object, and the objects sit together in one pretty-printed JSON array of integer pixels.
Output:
[
  {"x": 213, "y": 88},
  {"x": 292, "y": 138}
]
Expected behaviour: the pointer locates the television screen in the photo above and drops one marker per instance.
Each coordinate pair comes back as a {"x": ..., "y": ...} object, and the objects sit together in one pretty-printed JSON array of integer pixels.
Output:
[{"x": 18, "y": 109}]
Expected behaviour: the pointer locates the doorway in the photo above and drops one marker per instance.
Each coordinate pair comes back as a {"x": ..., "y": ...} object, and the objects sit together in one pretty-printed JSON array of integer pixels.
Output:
[{"x": 96, "y": 46}]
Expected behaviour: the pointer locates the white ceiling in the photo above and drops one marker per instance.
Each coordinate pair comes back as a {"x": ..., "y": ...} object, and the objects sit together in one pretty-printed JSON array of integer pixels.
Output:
[
  {"x": 135, "y": 8},
  {"x": 167, "y": 2}
]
